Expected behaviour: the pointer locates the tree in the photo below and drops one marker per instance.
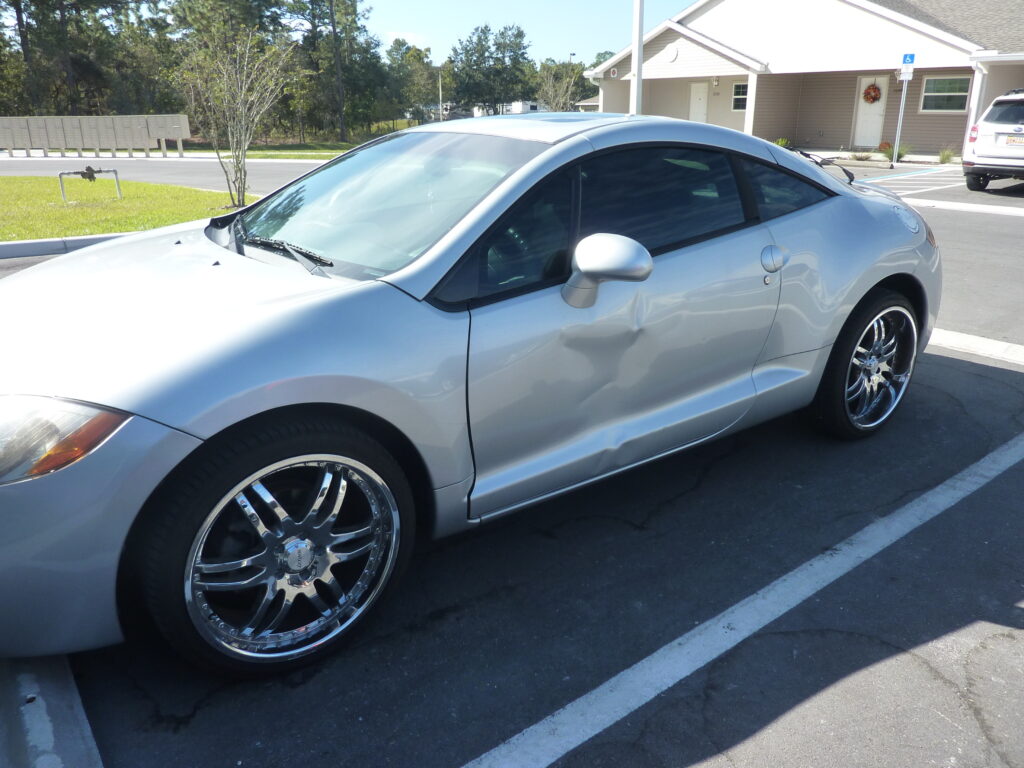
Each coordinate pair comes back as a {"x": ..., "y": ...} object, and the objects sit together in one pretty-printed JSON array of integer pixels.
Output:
[
  {"x": 412, "y": 78},
  {"x": 492, "y": 69},
  {"x": 231, "y": 77},
  {"x": 559, "y": 84}
]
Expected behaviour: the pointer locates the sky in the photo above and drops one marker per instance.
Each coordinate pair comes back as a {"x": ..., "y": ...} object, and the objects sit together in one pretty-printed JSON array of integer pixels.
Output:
[{"x": 554, "y": 28}]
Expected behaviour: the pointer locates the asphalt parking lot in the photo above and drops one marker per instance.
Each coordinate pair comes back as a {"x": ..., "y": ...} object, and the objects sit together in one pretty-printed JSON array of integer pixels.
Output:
[{"x": 912, "y": 654}]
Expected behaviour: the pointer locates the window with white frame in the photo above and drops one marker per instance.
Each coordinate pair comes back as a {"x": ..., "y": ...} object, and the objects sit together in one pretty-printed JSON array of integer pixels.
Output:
[
  {"x": 739, "y": 97},
  {"x": 945, "y": 94}
]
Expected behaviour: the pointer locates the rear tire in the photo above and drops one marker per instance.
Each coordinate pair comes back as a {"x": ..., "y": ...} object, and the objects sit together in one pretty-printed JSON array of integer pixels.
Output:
[
  {"x": 870, "y": 367},
  {"x": 976, "y": 182},
  {"x": 273, "y": 543}
]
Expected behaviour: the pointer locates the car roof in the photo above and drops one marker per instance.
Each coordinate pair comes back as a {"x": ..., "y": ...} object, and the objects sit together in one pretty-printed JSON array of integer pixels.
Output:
[
  {"x": 1015, "y": 95},
  {"x": 546, "y": 127}
]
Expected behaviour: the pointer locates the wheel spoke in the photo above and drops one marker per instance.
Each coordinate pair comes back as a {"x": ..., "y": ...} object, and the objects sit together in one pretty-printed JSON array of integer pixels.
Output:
[
  {"x": 319, "y": 604},
  {"x": 260, "y": 613},
  {"x": 279, "y": 613},
  {"x": 231, "y": 585},
  {"x": 326, "y": 478},
  {"x": 226, "y": 566},
  {"x": 328, "y": 522},
  {"x": 254, "y": 519},
  {"x": 345, "y": 556},
  {"x": 283, "y": 518},
  {"x": 889, "y": 349},
  {"x": 856, "y": 389},
  {"x": 351, "y": 535}
]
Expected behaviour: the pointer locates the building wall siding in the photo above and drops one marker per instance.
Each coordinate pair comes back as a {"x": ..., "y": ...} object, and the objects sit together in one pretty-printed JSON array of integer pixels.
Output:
[
  {"x": 924, "y": 131},
  {"x": 720, "y": 104},
  {"x": 826, "y": 110},
  {"x": 670, "y": 98},
  {"x": 777, "y": 111}
]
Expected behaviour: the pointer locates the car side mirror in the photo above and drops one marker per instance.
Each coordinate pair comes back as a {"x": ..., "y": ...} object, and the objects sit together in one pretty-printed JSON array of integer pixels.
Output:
[{"x": 600, "y": 258}]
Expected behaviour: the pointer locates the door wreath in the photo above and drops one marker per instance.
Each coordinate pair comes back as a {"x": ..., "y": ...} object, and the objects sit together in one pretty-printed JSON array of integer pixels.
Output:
[{"x": 872, "y": 93}]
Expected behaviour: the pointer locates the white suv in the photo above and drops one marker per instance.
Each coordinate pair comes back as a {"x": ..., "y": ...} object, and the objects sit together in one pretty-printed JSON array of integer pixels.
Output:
[{"x": 995, "y": 146}]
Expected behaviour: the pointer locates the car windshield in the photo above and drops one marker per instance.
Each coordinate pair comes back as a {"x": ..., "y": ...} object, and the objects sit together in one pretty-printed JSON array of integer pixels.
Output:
[
  {"x": 1006, "y": 113},
  {"x": 378, "y": 208}
]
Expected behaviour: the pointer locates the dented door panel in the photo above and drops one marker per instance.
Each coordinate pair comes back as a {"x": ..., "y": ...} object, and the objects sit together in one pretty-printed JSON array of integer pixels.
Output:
[{"x": 560, "y": 395}]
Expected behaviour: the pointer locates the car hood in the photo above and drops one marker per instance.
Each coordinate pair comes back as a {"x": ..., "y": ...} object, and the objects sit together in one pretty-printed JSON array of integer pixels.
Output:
[{"x": 114, "y": 323}]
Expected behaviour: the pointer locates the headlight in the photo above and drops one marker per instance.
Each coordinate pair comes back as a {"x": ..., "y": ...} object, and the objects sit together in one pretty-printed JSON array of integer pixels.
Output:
[{"x": 39, "y": 435}]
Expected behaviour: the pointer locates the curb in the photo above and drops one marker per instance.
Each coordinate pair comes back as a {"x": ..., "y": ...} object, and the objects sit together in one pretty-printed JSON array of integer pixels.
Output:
[
  {"x": 42, "y": 722},
  {"x": 16, "y": 249}
]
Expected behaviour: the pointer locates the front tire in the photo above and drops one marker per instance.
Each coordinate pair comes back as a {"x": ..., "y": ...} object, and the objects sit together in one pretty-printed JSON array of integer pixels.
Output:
[
  {"x": 271, "y": 546},
  {"x": 976, "y": 182},
  {"x": 870, "y": 367}
]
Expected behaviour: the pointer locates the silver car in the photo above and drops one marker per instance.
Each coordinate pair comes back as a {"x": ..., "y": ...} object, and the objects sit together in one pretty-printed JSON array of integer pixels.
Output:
[{"x": 241, "y": 426}]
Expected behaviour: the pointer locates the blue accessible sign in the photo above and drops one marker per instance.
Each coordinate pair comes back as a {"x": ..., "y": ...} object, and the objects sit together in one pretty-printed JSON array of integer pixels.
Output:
[{"x": 908, "y": 58}]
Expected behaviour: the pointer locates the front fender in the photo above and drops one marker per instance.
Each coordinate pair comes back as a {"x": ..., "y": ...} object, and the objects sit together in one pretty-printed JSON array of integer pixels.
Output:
[{"x": 376, "y": 349}]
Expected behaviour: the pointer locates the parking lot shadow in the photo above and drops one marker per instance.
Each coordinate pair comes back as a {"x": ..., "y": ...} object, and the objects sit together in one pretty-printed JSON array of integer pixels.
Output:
[{"x": 492, "y": 632}]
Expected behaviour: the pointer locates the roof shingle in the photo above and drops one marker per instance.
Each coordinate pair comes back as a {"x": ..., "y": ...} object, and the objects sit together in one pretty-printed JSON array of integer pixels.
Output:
[{"x": 992, "y": 24}]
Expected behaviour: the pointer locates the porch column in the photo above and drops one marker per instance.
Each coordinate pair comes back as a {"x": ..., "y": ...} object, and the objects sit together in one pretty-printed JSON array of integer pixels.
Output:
[
  {"x": 977, "y": 93},
  {"x": 748, "y": 116}
]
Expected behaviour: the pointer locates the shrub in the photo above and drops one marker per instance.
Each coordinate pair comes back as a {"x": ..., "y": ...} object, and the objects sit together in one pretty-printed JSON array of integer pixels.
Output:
[
  {"x": 886, "y": 149},
  {"x": 946, "y": 155},
  {"x": 861, "y": 156},
  {"x": 782, "y": 141}
]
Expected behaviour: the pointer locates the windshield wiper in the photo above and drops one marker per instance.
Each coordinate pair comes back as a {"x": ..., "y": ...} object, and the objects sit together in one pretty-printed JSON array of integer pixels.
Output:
[
  {"x": 295, "y": 251},
  {"x": 821, "y": 162},
  {"x": 312, "y": 261}
]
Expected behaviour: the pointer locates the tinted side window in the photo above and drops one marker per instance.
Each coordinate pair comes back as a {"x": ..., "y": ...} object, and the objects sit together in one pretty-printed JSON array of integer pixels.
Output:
[
  {"x": 779, "y": 193},
  {"x": 529, "y": 246},
  {"x": 659, "y": 196}
]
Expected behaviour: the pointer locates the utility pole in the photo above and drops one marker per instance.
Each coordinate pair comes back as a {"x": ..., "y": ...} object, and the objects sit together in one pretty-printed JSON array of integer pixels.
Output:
[{"x": 636, "y": 91}]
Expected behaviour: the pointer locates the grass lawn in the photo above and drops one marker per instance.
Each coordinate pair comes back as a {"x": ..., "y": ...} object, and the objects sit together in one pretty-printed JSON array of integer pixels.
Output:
[{"x": 32, "y": 207}]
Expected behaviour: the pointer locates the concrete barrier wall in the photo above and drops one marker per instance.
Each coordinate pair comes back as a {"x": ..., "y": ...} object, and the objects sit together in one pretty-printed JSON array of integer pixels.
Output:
[{"x": 93, "y": 134}]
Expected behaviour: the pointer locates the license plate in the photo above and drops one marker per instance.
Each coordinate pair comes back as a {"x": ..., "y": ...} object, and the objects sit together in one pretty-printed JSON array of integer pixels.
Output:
[{"x": 1015, "y": 139}]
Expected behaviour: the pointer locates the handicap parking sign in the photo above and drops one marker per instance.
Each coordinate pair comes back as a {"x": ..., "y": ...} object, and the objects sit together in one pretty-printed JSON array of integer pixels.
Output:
[{"x": 908, "y": 58}]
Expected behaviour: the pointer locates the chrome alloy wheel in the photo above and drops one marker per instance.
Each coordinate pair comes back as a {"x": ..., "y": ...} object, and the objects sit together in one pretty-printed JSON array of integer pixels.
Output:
[
  {"x": 880, "y": 368},
  {"x": 291, "y": 557}
]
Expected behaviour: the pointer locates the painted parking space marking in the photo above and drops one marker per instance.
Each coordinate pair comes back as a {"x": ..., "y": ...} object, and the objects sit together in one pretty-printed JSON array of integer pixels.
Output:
[
  {"x": 932, "y": 189},
  {"x": 996, "y": 210},
  {"x": 908, "y": 173},
  {"x": 978, "y": 345},
  {"x": 574, "y": 724}
]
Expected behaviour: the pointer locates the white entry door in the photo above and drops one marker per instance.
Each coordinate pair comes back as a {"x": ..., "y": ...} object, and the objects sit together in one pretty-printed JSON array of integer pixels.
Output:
[
  {"x": 699, "y": 102},
  {"x": 867, "y": 130}
]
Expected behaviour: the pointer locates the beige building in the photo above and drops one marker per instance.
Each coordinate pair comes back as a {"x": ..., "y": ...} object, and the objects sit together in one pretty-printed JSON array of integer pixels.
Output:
[{"x": 824, "y": 73}]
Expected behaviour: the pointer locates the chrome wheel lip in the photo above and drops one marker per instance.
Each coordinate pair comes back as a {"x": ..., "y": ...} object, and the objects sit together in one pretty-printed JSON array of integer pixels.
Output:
[
  {"x": 895, "y": 385},
  {"x": 301, "y": 641}
]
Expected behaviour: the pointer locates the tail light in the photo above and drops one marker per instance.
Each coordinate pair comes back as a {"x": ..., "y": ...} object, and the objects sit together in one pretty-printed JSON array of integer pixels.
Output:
[{"x": 973, "y": 136}]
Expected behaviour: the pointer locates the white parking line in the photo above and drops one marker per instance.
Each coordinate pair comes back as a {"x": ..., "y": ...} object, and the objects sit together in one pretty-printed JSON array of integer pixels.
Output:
[
  {"x": 998, "y": 210},
  {"x": 933, "y": 189},
  {"x": 978, "y": 345},
  {"x": 558, "y": 734},
  {"x": 49, "y": 729}
]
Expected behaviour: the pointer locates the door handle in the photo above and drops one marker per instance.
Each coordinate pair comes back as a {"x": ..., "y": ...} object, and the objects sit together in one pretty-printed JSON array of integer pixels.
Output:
[{"x": 772, "y": 258}]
